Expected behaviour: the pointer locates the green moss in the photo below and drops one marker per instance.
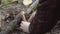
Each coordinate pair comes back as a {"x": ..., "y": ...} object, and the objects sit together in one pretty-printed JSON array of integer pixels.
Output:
[{"x": 13, "y": 26}]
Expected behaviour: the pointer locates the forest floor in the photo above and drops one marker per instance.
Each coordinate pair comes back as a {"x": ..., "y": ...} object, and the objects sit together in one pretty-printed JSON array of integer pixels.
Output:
[{"x": 11, "y": 11}]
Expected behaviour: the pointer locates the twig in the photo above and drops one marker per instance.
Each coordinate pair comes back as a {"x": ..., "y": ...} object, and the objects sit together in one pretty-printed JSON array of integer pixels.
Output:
[
  {"x": 23, "y": 16},
  {"x": 32, "y": 7}
]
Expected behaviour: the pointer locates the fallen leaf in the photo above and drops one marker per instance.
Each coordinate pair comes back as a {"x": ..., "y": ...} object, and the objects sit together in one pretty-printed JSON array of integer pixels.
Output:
[{"x": 27, "y": 2}]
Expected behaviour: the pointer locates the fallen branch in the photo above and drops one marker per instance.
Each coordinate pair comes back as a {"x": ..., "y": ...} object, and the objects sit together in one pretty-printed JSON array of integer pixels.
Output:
[{"x": 33, "y": 6}]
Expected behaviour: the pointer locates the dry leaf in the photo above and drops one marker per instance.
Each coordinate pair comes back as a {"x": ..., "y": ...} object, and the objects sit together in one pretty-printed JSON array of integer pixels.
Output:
[{"x": 27, "y": 2}]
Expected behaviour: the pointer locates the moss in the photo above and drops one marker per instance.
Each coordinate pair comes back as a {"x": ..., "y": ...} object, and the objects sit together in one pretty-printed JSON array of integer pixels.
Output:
[{"x": 13, "y": 26}]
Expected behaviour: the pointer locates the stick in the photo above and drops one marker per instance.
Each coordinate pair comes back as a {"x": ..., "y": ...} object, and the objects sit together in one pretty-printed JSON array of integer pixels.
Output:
[
  {"x": 32, "y": 6},
  {"x": 23, "y": 16}
]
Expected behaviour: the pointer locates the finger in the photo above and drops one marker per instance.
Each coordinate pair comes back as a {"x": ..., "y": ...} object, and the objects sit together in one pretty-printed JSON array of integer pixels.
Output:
[
  {"x": 21, "y": 24},
  {"x": 21, "y": 27}
]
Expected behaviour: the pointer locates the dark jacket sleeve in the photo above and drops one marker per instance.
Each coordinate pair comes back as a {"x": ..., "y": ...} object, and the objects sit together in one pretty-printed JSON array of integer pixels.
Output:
[{"x": 45, "y": 18}]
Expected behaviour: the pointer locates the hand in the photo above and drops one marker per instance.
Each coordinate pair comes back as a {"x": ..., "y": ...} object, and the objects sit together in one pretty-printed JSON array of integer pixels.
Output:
[{"x": 25, "y": 26}]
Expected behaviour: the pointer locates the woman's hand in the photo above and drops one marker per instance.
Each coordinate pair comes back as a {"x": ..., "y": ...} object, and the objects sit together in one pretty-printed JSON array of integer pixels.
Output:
[{"x": 25, "y": 26}]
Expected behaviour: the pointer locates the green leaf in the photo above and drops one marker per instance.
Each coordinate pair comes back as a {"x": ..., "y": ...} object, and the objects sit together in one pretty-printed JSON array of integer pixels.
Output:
[{"x": 8, "y": 1}]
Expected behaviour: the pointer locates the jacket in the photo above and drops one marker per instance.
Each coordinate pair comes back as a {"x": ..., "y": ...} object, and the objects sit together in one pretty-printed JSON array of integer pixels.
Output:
[{"x": 48, "y": 12}]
